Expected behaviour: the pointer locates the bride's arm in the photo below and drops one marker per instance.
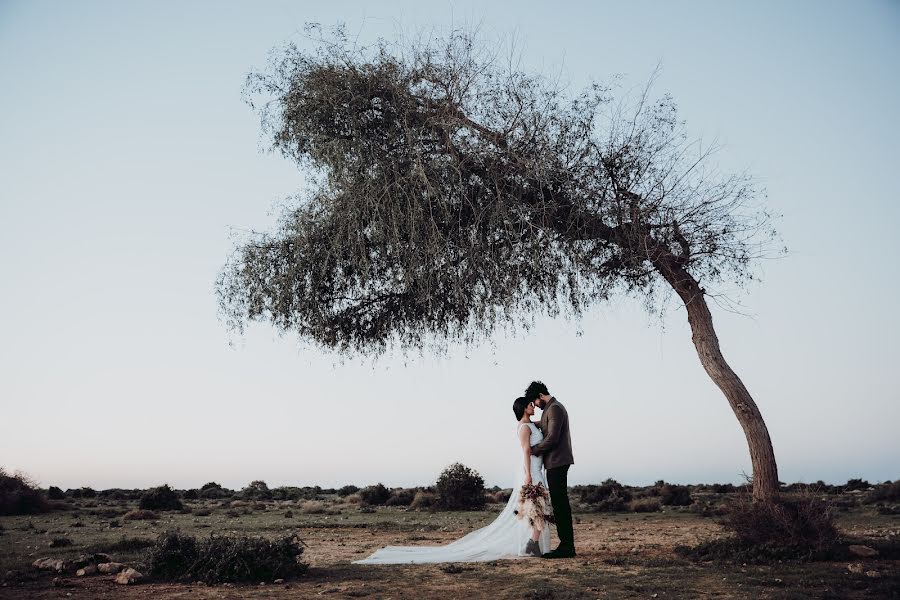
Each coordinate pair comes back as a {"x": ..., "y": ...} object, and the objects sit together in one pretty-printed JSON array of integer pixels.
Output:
[{"x": 524, "y": 440}]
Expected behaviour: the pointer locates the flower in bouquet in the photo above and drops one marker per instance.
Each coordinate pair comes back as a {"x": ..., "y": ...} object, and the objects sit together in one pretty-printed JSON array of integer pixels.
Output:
[{"x": 534, "y": 505}]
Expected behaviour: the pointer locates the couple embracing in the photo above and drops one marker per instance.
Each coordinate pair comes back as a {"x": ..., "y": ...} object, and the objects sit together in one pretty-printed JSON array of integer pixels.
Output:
[{"x": 522, "y": 528}]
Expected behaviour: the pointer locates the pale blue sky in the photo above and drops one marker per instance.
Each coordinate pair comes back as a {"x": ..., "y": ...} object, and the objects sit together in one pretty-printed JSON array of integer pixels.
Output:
[{"x": 127, "y": 155}]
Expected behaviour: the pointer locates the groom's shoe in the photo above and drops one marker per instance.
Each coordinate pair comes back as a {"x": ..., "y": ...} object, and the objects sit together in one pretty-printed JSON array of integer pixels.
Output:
[
  {"x": 532, "y": 548},
  {"x": 561, "y": 552}
]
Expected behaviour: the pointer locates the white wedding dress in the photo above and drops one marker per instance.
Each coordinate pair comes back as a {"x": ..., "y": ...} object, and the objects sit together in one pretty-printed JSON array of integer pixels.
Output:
[{"x": 506, "y": 537}]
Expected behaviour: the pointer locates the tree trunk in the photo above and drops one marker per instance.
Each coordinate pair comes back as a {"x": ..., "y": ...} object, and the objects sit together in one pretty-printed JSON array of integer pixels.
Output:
[{"x": 762, "y": 456}]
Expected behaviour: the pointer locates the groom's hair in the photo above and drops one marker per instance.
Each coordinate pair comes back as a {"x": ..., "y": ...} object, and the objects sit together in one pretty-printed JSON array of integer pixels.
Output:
[
  {"x": 535, "y": 389},
  {"x": 519, "y": 406}
]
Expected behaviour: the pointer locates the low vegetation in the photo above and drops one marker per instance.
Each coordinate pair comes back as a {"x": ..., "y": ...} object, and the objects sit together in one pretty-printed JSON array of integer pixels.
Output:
[{"x": 225, "y": 558}]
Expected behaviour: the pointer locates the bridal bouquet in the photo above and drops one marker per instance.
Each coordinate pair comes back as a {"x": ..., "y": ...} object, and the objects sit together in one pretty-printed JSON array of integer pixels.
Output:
[{"x": 534, "y": 504}]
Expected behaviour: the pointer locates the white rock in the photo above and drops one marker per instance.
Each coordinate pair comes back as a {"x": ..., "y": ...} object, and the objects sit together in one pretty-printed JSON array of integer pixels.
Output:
[
  {"x": 128, "y": 576},
  {"x": 110, "y": 568}
]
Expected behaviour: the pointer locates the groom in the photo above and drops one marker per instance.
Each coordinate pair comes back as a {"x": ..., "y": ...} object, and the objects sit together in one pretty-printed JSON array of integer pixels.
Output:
[{"x": 557, "y": 451}]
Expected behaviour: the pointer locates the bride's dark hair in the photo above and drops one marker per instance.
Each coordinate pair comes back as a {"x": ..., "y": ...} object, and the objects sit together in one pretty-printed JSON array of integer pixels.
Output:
[{"x": 519, "y": 406}]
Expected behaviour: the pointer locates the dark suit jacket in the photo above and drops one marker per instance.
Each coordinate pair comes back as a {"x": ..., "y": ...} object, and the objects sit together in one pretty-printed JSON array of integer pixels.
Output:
[{"x": 557, "y": 445}]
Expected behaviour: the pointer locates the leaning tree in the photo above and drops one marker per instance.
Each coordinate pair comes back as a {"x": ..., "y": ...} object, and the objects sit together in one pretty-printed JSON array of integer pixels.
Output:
[{"x": 454, "y": 194}]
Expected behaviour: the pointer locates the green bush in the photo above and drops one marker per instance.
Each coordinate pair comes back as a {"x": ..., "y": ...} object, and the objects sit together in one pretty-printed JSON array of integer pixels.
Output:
[
  {"x": 460, "y": 488},
  {"x": 221, "y": 559},
  {"x": 54, "y": 493},
  {"x": 160, "y": 498},
  {"x": 213, "y": 491},
  {"x": 257, "y": 490},
  {"x": 374, "y": 495},
  {"x": 347, "y": 490},
  {"x": 401, "y": 497},
  {"x": 20, "y": 496},
  {"x": 856, "y": 484},
  {"x": 672, "y": 495},
  {"x": 609, "y": 496},
  {"x": 644, "y": 505},
  {"x": 885, "y": 492}
]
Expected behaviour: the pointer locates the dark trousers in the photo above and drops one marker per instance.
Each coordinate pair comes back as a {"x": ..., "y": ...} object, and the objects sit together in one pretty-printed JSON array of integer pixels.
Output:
[{"x": 559, "y": 498}]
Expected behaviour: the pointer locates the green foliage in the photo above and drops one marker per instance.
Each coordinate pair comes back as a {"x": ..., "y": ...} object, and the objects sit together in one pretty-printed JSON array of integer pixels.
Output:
[
  {"x": 221, "y": 559},
  {"x": 672, "y": 495},
  {"x": 374, "y": 495},
  {"x": 885, "y": 492},
  {"x": 257, "y": 490},
  {"x": 20, "y": 496},
  {"x": 610, "y": 496},
  {"x": 460, "y": 488},
  {"x": 856, "y": 484},
  {"x": 401, "y": 497},
  {"x": 160, "y": 498},
  {"x": 347, "y": 490},
  {"x": 54, "y": 493}
]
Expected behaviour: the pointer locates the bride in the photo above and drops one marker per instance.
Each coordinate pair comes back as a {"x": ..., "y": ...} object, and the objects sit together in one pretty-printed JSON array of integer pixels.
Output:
[{"x": 508, "y": 536}]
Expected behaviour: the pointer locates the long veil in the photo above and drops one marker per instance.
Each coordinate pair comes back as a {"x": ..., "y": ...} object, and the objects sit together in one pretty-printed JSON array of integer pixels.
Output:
[{"x": 505, "y": 537}]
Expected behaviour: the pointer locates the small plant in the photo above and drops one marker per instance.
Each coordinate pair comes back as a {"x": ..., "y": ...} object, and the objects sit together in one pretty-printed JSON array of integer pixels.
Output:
[
  {"x": 220, "y": 559},
  {"x": 374, "y": 495},
  {"x": 460, "y": 488}
]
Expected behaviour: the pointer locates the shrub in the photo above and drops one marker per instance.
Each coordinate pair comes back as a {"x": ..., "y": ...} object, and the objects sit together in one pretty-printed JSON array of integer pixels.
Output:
[
  {"x": 460, "y": 488},
  {"x": 401, "y": 497},
  {"x": 20, "y": 496},
  {"x": 60, "y": 542},
  {"x": 140, "y": 515},
  {"x": 160, "y": 498},
  {"x": 856, "y": 484},
  {"x": 257, "y": 490},
  {"x": 213, "y": 493},
  {"x": 610, "y": 496},
  {"x": 803, "y": 523},
  {"x": 722, "y": 488},
  {"x": 87, "y": 492},
  {"x": 191, "y": 494},
  {"x": 672, "y": 495},
  {"x": 220, "y": 559},
  {"x": 645, "y": 505},
  {"x": 374, "y": 495},
  {"x": 313, "y": 507},
  {"x": 54, "y": 493},
  {"x": 423, "y": 500},
  {"x": 886, "y": 492},
  {"x": 347, "y": 490},
  {"x": 500, "y": 496}
]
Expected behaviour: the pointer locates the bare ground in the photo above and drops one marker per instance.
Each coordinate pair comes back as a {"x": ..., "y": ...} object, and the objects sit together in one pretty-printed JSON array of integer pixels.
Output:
[{"x": 620, "y": 556}]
